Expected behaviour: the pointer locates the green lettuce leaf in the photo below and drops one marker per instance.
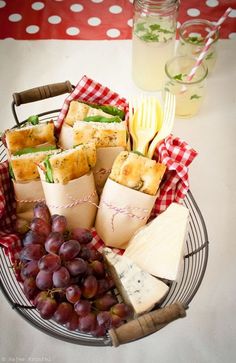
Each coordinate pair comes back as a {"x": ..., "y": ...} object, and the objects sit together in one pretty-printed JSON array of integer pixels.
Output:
[
  {"x": 28, "y": 150},
  {"x": 99, "y": 118},
  {"x": 48, "y": 172}
]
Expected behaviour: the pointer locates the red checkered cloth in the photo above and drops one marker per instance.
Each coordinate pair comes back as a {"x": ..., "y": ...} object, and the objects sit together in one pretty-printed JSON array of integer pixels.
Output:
[
  {"x": 175, "y": 153},
  {"x": 8, "y": 239},
  {"x": 90, "y": 91}
]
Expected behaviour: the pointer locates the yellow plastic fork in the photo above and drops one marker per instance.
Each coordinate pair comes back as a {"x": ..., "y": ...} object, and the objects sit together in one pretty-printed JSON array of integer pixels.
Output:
[
  {"x": 145, "y": 122},
  {"x": 167, "y": 124}
]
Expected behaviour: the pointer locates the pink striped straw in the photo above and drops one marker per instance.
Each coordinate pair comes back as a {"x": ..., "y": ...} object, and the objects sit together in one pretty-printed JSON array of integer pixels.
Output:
[
  {"x": 200, "y": 59},
  {"x": 219, "y": 23}
]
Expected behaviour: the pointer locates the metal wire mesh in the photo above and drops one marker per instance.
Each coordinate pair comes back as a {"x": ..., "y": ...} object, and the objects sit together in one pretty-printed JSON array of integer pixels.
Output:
[{"x": 190, "y": 276}]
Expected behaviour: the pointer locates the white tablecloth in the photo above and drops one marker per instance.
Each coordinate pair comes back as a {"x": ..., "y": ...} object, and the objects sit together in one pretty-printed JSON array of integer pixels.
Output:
[{"x": 208, "y": 333}]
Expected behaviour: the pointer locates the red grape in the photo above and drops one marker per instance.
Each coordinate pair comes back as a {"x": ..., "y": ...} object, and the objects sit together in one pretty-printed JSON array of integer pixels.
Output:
[
  {"x": 30, "y": 269},
  {"x": 95, "y": 255},
  {"x": 87, "y": 323},
  {"x": 31, "y": 238},
  {"x": 54, "y": 242},
  {"x": 98, "y": 268},
  {"x": 103, "y": 286},
  {"x": 99, "y": 331},
  {"x": 104, "y": 319},
  {"x": 61, "y": 277},
  {"x": 105, "y": 302},
  {"x": 76, "y": 266},
  {"x": 41, "y": 227},
  {"x": 30, "y": 288},
  {"x": 44, "y": 280},
  {"x": 73, "y": 293},
  {"x": 31, "y": 252},
  {"x": 41, "y": 211},
  {"x": 82, "y": 307},
  {"x": 122, "y": 310},
  {"x": 49, "y": 262},
  {"x": 63, "y": 313},
  {"x": 90, "y": 286},
  {"x": 82, "y": 235},
  {"x": 116, "y": 321},
  {"x": 85, "y": 253},
  {"x": 59, "y": 224},
  {"x": 73, "y": 322},
  {"x": 47, "y": 307},
  {"x": 69, "y": 249}
]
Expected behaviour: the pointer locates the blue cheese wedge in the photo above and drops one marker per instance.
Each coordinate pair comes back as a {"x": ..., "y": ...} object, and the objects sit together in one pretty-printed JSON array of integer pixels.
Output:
[
  {"x": 138, "y": 288},
  {"x": 158, "y": 247}
]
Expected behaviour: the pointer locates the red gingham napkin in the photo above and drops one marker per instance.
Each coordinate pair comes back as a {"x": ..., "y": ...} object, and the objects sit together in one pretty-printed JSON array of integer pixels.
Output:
[
  {"x": 8, "y": 238},
  {"x": 175, "y": 153},
  {"x": 90, "y": 91}
]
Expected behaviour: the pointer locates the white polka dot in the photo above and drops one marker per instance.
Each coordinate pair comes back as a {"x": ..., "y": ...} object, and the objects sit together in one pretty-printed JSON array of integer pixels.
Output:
[
  {"x": 131, "y": 1},
  {"x": 32, "y": 29},
  {"x": 115, "y": 9},
  {"x": 72, "y": 31},
  {"x": 212, "y": 3},
  {"x": 94, "y": 21},
  {"x": 97, "y": 1},
  {"x": 37, "y": 6},
  {"x": 76, "y": 8},
  {"x": 2, "y": 4},
  {"x": 193, "y": 12},
  {"x": 232, "y": 14},
  {"x": 113, "y": 33},
  {"x": 232, "y": 36},
  {"x": 130, "y": 22},
  {"x": 15, "y": 17},
  {"x": 54, "y": 19}
]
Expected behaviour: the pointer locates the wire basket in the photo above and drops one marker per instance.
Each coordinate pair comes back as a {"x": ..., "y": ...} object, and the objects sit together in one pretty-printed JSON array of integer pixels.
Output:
[{"x": 183, "y": 290}]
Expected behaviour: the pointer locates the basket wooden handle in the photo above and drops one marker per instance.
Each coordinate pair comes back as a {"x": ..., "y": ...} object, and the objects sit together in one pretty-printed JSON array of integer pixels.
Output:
[
  {"x": 41, "y": 93},
  {"x": 147, "y": 324}
]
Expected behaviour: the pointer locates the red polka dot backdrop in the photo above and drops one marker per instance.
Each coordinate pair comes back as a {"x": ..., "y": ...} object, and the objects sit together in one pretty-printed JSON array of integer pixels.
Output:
[{"x": 95, "y": 19}]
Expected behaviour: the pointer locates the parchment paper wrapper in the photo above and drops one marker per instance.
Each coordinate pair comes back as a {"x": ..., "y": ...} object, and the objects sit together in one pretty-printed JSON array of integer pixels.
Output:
[
  {"x": 27, "y": 195},
  {"x": 102, "y": 169},
  {"x": 122, "y": 211},
  {"x": 77, "y": 200},
  {"x": 105, "y": 156}
]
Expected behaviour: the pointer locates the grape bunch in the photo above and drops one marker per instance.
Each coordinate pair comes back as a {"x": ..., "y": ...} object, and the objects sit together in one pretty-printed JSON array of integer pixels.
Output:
[{"x": 66, "y": 278}]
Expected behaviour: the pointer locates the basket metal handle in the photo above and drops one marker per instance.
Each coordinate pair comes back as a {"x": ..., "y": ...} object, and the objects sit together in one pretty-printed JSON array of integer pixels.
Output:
[
  {"x": 39, "y": 93},
  {"x": 147, "y": 324}
]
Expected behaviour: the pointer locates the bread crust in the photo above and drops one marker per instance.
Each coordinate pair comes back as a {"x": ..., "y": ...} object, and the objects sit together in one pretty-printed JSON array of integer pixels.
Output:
[
  {"x": 137, "y": 172},
  {"x": 30, "y": 136},
  {"x": 25, "y": 166},
  {"x": 103, "y": 134},
  {"x": 73, "y": 163}
]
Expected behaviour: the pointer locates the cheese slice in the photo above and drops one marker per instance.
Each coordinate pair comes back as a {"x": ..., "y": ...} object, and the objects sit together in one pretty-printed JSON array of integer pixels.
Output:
[
  {"x": 158, "y": 247},
  {"x": 138, "y": 288}
]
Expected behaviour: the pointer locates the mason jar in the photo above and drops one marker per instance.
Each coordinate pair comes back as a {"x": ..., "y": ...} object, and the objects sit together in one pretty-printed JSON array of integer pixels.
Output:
[
  {"x": 153, "y": 41},
  {"x": 192, "y": 38}
]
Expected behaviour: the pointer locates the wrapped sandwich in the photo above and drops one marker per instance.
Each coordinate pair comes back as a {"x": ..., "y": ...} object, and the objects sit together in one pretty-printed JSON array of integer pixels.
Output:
[
  {"x": 102, "y": 124},
  {"x": 128, "y": 197},
  {"x": 68, "y": 184},
  {"x": 26, "y": 147},
  {"x": 24, "y": 139}
]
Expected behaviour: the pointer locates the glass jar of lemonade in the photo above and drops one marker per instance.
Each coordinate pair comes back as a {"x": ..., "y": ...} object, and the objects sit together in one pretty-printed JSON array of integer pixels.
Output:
[
  {"x": 153, "y": 41},
  {"x": 192, "y": 38},
  {"x": 189, "y": 93}
]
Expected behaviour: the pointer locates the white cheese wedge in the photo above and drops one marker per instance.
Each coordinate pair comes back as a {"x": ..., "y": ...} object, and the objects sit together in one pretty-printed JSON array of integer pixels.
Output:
[
  {"x": 158, "y": 247},
  {"x": 138, "y": 288}
]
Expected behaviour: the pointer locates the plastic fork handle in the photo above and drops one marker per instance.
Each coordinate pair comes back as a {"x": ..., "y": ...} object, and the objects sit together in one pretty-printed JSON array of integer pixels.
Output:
[
  {"x": 157, "y": 139},
  {"x": 41, "y": 93},
  {"x": 147, "y": 324}
]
